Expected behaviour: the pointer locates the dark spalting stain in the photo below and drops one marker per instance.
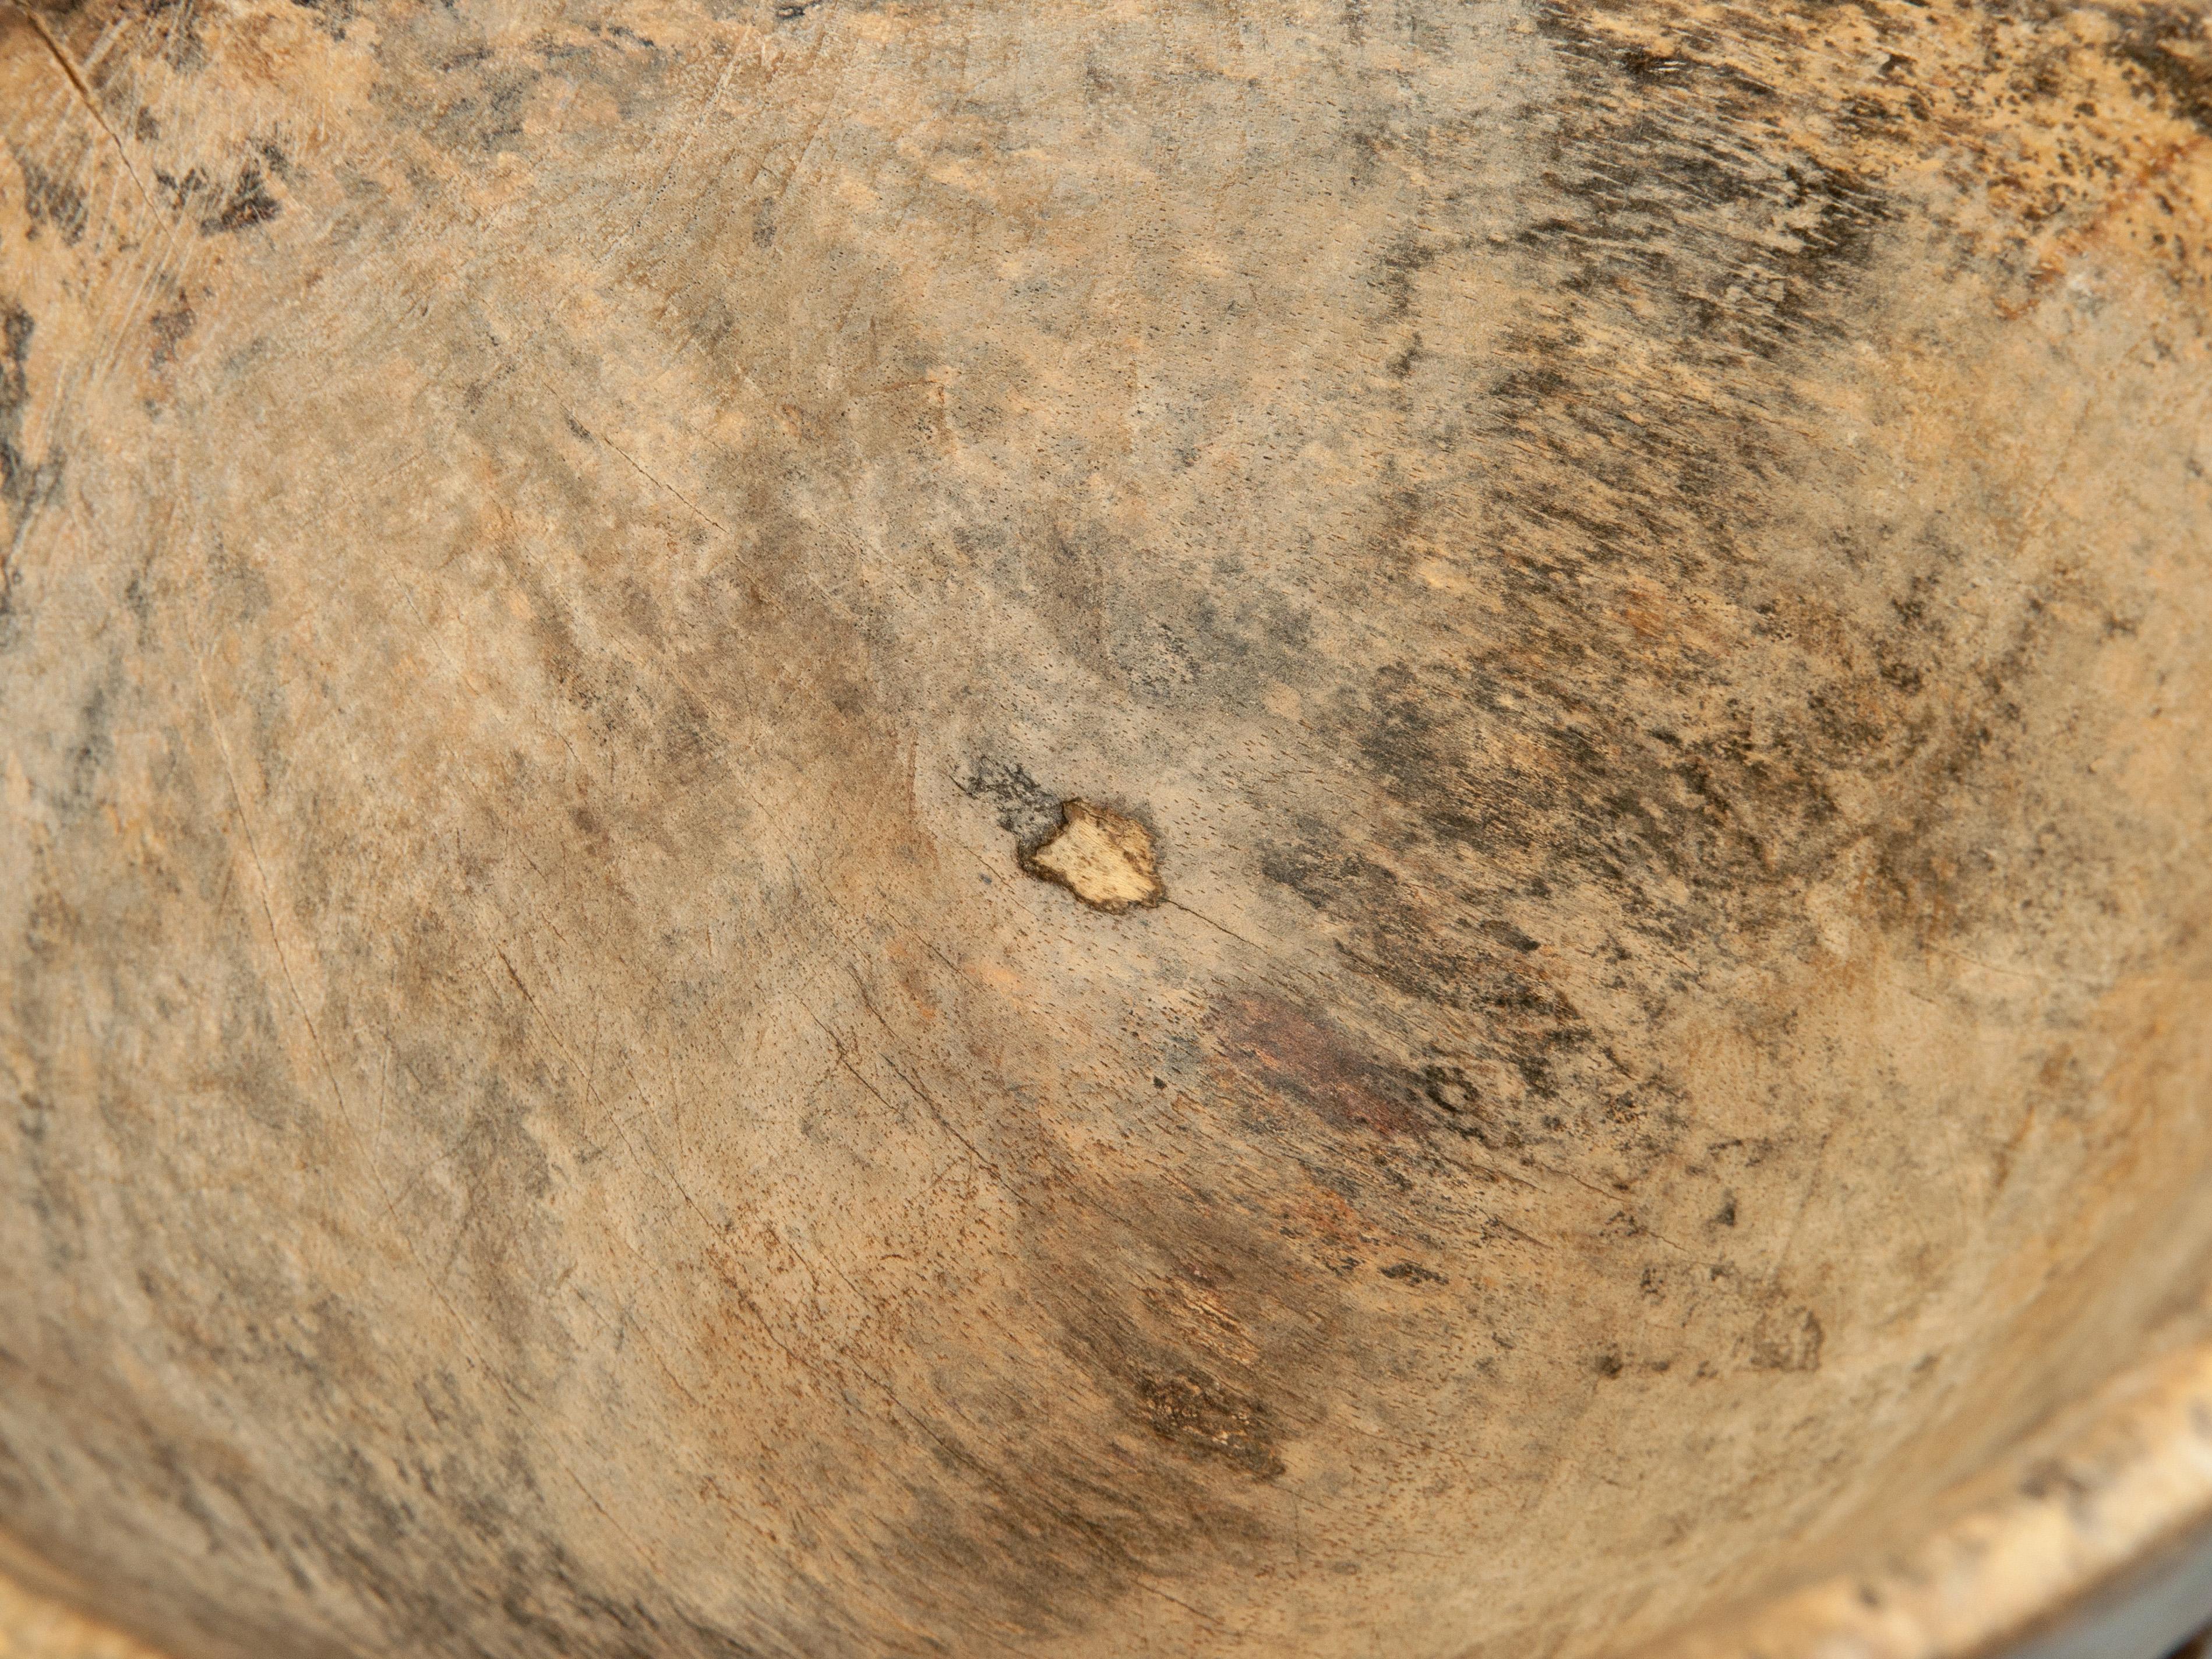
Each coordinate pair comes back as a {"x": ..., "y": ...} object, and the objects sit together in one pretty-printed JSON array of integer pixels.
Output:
[
  {"x": 1401, "y": 929},
  {"x": 169, "y": 327},
  {"x": 2047, "y": 1478},
  {"x": 1601, "y": 791},
  {"x": 87, "y": 753},
  {"x": 171, "y": 32},
  {"x": 1412, "y": 1273},
  {"x": 1025, "y": 808},
  {"x": 180, "y": 188},
  {"x": 1198, "y": 1349},
  {"x": 24, "y": 483},
  {"x": 248, "y": 204},
  {"x": 624, "y": 33},
  {"x": 51, "y": 200},
  {"x": 1179, "y": 644},
  {"x": 475, "y": 106},
  {"x": 1787, "y": 1340},
  {"x": 1611, "y": 741},
  {"x": 489, "y": 116},
  {"x": 16, "y": 328},
  {"x": 332, "y": 14},
  {"x": 1495, "y": 1087},
  {"x": 2170, "y": 48}
]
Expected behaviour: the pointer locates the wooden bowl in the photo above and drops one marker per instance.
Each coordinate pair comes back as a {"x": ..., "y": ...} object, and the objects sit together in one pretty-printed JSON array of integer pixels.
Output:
[{"x": 1372, "y": 828}]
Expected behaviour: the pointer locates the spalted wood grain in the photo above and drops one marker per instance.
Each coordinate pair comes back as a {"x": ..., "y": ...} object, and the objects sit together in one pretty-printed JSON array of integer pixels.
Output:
[{"x": 1640, "y": 570}]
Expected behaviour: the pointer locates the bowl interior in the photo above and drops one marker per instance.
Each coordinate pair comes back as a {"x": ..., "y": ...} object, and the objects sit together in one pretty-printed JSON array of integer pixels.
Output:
[{"x": 923, "y": 827}]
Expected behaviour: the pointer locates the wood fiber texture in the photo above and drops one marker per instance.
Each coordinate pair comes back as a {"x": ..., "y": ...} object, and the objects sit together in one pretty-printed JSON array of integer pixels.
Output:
[{"x": 1641, "y": 569}]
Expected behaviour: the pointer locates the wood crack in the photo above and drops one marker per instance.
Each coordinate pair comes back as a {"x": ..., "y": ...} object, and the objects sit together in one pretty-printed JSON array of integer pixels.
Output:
[{"x": 75, "y": 76}]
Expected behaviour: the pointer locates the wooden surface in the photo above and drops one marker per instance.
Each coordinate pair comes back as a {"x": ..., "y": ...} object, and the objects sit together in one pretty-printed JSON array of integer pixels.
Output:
[{"x": 1636, "y": 575}]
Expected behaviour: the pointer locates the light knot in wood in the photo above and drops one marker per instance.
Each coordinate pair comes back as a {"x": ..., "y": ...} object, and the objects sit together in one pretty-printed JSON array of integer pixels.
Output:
[{"x": 1103, "y": 857}]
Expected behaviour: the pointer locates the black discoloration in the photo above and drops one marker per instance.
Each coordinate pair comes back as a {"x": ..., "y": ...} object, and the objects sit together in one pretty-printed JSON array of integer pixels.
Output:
[
  {"x": 169, "y": 328},
  {"x": 1412, "y": 1273},
  {"x": 1025, "y": 808},
  {"x": 16, "y": 328},
  {"x": 52, "y": 201},
  {"x": 1788, "y": 1339},
  {"x": 332, "y": 14},
  {"x": 24, "y": 483},
  {"x": 248, "y": 204},
  {"x": 2170, "y": 47},
  {"x": 1188, "y": 1324},
  {"x": 1608, "y": 742},
  {"x": 178, "y": 36},
  {"x": 488, "y": 115},
  {"x": 180, "y": 189}
]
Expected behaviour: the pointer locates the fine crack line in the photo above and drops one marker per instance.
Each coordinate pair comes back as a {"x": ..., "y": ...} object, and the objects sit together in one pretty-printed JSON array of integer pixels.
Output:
[
  {"x": 1217, "y": 927},
  {"x": 67, "y": 64},
  {"x": 660, "y": 483}
]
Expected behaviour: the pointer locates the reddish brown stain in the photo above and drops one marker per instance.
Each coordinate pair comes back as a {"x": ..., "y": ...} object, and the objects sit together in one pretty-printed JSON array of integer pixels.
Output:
[{"x": 1289, "y": 1054}]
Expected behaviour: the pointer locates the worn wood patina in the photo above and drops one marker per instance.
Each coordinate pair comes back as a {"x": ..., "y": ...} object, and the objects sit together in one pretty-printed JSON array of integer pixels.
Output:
[{"x": 1346, "y": 829}]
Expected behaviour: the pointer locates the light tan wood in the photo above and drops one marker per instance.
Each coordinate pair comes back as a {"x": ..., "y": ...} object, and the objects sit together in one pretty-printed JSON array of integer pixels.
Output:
[
  {"x": 42, "y": 1624},
  {"x": 1632, "y": 580}
]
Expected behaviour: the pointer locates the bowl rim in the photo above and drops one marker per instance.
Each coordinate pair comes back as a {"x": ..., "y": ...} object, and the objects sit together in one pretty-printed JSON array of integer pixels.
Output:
[{"x": 2084, "y": 1518}]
